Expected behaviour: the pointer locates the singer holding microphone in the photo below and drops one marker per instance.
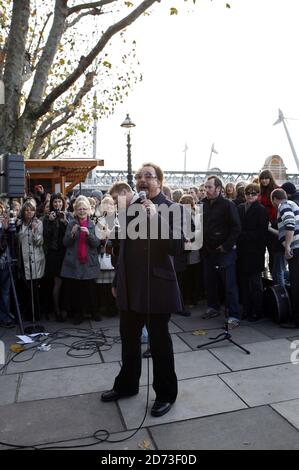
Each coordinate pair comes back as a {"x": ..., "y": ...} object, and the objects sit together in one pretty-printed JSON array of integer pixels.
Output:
[{"x": 146, "y": 287}]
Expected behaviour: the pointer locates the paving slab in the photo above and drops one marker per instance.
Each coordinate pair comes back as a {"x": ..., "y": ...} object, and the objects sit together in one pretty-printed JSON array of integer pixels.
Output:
[
  {"x": 106, "y": 322},
  {"x": 188, "y": 365},
  {"x": 114, "y": 353},
  {"x": 55, "y": 358},
  {"x": 8, "y": 387},
  {"x": 57, "y": 419},
  {"x": 242, "y": 335},
  {"x": 139, "y": 441},
  {"x": 265, "y": 385},
  {"x": 263, "y": 353},
  {"x": 195, "y": 321},
  {"x": 250, "y": 429},
  {"x": 273, "y": 330},
  {"x": 289, "y": 410},
  {"x": 66, "y": 382},
  {"x": 197, "y": 397}
]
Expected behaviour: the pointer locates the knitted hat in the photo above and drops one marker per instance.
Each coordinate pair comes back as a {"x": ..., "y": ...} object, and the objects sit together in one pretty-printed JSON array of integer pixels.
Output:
[
  {"x": 98, "y": 194},
  {"x": 289, "y": 187}
]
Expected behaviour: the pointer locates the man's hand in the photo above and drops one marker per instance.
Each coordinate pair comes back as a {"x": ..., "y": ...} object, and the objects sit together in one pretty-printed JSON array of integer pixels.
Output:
[
  {"x": 288, "y": 252},
  {"x": 149, "y": 206}
]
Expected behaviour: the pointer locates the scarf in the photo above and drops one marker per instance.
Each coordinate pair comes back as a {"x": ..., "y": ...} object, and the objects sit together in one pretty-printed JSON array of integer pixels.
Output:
[{"x": 82, "y": 246}]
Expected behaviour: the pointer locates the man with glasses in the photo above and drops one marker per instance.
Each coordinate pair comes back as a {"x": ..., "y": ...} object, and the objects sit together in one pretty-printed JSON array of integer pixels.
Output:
[
  {"x": 221, "y": 228},
  {"x": 251, "y": 245},
  {"x": 146, "y": 290}
]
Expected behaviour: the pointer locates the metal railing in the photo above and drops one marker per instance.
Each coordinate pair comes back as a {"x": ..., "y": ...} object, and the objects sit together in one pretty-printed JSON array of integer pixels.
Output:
[{"x": 177, "y": 179}]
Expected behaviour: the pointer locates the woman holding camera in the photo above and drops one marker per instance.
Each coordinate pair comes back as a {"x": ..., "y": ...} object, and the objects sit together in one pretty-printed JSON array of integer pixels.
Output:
[
  {"x": 31, "y": 256},
  {"x": 54, "y": 225}
]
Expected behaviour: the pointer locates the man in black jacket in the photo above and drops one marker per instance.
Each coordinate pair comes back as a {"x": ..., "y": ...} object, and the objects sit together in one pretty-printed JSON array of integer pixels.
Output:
[
  {"x": 146, "y": 287},
  {"x": 221, "y": 228}
]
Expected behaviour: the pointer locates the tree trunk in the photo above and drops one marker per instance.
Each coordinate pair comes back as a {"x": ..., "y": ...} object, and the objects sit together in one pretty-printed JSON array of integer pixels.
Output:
[{"x": 13, "y": 74}]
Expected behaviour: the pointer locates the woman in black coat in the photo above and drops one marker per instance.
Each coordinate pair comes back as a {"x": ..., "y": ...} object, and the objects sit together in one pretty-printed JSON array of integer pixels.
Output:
[{"x": 251, "y": 252}]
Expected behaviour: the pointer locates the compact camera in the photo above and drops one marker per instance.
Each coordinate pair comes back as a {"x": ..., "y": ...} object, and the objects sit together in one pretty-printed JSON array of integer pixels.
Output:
[{"x": 59, "y": 214}]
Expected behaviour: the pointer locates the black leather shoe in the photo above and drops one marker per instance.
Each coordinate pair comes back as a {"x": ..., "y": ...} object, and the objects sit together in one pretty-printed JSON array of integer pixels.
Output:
[
  {"x": 160, "y": 408},
  {"x": 113, "y": 395}
]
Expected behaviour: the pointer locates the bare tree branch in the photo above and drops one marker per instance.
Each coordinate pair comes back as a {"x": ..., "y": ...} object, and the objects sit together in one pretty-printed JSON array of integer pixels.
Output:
[
  {"x": 85, "y": 62},
  {"x": 39, "y": 40},
  {"x": 93, "y": 12},
  {"x": 82, "y": 92},
  {"x": 59, "y": 143},
  {"x": 47, "y": 126},
  {"x": 85, "y": 6},
  {"x": 47, "y": 57}
]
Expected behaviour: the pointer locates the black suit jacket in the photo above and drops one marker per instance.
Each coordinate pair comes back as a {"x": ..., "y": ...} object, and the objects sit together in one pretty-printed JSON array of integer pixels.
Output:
[{"x": 148, "y": 267}]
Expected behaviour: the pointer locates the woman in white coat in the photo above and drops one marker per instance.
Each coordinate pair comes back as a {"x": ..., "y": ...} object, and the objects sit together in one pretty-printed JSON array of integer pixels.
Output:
[{"x": 31, "y": 258}]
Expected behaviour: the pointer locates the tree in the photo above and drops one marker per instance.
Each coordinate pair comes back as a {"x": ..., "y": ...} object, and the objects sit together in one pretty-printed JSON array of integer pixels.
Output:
[{"x": 35, "y": 102}]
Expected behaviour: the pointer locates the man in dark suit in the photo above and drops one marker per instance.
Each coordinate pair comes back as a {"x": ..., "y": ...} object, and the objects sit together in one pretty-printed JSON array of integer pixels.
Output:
[{"x": 146, "y": 286}]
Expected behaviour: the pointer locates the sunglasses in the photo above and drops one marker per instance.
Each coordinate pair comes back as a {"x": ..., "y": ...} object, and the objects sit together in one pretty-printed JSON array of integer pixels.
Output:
[{"x": 253, "y": 193}]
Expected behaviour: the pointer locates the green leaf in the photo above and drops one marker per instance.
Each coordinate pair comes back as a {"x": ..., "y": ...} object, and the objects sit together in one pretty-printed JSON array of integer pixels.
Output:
[
  {"x": 227, "y": 5},
  {"x": 107, "y": 64},
  {"x": 173, "y": 11}
]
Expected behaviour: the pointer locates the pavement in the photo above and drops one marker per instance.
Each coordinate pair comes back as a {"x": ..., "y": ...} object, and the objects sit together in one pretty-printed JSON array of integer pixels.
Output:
[{"x": 227, "y": 399}]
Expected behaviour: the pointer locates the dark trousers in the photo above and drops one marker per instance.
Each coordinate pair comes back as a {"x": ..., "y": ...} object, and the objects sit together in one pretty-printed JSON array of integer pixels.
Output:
[
  {"x": 4, "y": 294},
  {"x": 252, "y": 294},
  {"x": 223, "y": 265},
  {"x": 294, "y": 281},
  {"x": 165, "y": 380}
]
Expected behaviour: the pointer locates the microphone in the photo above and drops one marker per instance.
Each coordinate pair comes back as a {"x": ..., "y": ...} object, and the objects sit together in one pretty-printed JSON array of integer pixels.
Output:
[{"x": 142, "y": 195}]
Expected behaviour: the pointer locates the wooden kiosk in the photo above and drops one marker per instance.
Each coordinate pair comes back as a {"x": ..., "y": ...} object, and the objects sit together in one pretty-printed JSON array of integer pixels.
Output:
[{"x": 58, "y": 175}]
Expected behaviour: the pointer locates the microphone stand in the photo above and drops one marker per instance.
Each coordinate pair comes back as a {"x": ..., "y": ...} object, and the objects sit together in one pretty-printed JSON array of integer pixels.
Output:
[
  {"x": 147, "y": 352},
  {"x": 34, "y": 328},
  {"x": 225, "y": 336}
]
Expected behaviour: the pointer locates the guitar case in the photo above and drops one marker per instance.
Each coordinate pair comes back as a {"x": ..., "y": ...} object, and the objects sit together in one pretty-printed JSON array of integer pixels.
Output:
[{"x": 277, "y": 304}]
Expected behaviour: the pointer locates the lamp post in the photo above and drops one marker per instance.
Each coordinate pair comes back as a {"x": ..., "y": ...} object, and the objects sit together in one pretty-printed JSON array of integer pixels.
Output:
[{"x": 128, "y": 124}]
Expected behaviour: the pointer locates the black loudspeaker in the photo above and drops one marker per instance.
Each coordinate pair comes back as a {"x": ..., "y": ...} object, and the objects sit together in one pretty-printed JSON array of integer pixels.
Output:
[
  {"x": 12, "y": 175},
  {"x": 277, "y": 304}
]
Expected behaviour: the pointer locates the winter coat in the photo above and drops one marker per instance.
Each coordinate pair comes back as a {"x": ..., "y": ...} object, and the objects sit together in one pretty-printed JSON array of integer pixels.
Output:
[
  {"x": 31, "y": 247},
  {"x": 71, "y": 266}
]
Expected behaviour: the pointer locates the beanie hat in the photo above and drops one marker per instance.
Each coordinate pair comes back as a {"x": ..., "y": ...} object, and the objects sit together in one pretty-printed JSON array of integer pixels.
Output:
[
  {"x": 98, "y": 194},
  {"x": 289, "y": 187}
]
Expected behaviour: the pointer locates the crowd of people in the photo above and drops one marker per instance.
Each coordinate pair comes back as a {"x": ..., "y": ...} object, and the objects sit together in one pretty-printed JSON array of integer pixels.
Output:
[
  {"x": 63, "y": 244},
  {"x": 95, "y": 262}
]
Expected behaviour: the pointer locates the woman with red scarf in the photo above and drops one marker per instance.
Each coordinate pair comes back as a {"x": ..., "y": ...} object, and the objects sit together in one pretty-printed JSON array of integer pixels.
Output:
[
  {"x": 277, "y": 262},
  {"x": 80, "y": 264}
]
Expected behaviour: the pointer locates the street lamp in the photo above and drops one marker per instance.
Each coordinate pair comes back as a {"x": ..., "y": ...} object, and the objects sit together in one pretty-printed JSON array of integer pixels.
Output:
[{"x": 128, "y": 124}]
